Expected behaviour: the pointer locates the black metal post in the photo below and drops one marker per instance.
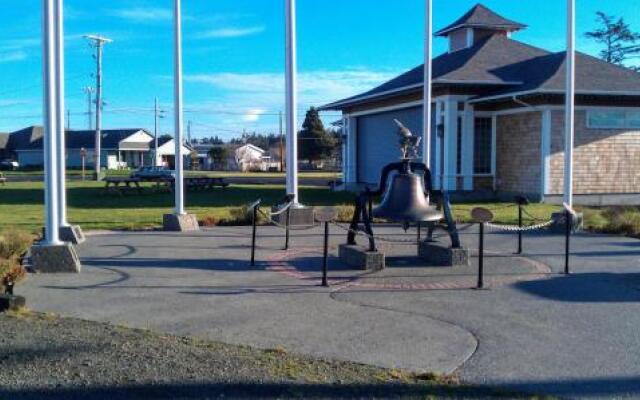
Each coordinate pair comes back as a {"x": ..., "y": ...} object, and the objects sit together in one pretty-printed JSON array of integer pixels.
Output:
[
  {"x": 419, "y": 232},
  {"x": 287, "y": 233},
  {"x": 568, "y": 217},
  {"x": 325, "y": 261},
  {"x": 253, "y": 235},
  {"x": 481, "y": 258},
  {"x": 520, "y": 231}
]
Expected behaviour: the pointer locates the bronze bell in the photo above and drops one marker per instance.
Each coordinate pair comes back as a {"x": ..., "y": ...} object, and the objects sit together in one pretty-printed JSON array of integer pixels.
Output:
[{"x": 405, "y": 200}]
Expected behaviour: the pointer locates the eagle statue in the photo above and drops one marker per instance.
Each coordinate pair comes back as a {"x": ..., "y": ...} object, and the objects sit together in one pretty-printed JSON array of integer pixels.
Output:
[{"x": 409, "y": 143}]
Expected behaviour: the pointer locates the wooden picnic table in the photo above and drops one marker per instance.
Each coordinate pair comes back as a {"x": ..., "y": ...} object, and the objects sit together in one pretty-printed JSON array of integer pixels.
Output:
[
  {"x": 120, "y": 186},
  {"x": 193, "y": 183},
  {"x": 204, "y": 183}
]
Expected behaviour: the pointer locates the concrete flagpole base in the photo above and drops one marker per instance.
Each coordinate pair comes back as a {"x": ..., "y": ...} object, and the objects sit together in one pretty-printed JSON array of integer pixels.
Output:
[
  {"x": 72, "y": 234},
  {"x": 180, "y": 223},
  {"x": 48, "y": 259}
]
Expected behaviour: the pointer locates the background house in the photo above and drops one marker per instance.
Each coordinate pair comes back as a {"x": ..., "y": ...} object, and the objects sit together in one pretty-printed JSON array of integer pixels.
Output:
[
  {"x": 498, "y": 119},
  {"x": 120, "y": 148},
  {"x": 165, "y": 154}
]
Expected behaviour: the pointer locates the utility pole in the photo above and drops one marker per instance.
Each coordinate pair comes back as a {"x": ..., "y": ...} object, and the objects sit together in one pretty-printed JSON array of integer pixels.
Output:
[
  {"x": 281, "y": 143},
  {"x": 156, "y": 117},
  {"x": 89, "y": 91},
  {"x": 98, "y": 42},
  {"x": 189, "y": 132}
]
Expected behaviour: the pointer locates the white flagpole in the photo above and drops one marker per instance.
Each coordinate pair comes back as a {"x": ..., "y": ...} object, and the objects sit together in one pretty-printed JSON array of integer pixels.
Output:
[
  {"x": 428, "y": 53},
  {"x": 179, "y": 181},
  {"x": 570, "y": 103},
  {"x": 52, "y": 235},
  {"x": 291, "y": 100},
  {"x": 60, "y": 128}
]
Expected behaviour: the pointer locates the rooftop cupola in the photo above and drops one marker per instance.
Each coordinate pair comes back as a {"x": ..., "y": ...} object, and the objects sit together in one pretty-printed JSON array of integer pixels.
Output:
[{"x": 477, "y": 24}]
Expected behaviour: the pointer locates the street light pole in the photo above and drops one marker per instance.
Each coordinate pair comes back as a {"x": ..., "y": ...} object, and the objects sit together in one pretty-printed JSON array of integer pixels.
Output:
[
  {"x": 570, "y": 103},
  {"x": 155, "y": 133},
  {"x": 52, "y": 220},
  {"x": 60, "y": 132},
  {"x": 179, "y": 182},
  {"x": 428, "y": 52},
  {"x": 291, "y": 100}
]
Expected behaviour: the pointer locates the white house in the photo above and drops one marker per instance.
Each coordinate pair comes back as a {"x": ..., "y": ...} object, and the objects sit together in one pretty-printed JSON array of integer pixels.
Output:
[{"x": 165, "y": 155}]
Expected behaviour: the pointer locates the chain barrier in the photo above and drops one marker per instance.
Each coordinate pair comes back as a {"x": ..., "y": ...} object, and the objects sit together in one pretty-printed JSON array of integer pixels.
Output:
[{"x": 516, "y": 228}]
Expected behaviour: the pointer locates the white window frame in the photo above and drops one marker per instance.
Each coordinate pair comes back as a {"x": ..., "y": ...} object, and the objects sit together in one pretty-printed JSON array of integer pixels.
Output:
[{"x": 625, "y": 125}]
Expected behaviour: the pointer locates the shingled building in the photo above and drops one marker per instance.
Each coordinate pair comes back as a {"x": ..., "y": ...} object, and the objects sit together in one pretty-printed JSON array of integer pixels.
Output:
[{"x": 498, "y": 119}]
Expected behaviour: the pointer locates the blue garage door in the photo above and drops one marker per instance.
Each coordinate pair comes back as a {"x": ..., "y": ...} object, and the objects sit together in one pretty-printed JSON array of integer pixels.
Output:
[{"x": 378, "y": 140}]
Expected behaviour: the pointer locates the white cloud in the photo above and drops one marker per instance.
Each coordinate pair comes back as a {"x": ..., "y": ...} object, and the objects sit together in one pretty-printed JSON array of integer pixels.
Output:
[
  {"x": 252, "y": 101},
  {"x": 314, "y": 87},
  {"x": 253, "y": 115},
  {"x": 142, "y": 14},
  {"x": 12, "y": 56},
  {"x": 225, "y": 33}
]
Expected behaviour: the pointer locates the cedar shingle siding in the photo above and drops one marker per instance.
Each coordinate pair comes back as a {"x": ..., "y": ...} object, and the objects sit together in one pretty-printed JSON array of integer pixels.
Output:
[
  {"x": 605, "y": 160},
  {"x": 518, "y": 153}
]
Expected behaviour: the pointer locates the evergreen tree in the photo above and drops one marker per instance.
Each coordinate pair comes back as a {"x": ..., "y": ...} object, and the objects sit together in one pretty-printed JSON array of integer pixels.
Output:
[
  {"x": 315, "y": 142},
  {"x": 617, "y": 37}
]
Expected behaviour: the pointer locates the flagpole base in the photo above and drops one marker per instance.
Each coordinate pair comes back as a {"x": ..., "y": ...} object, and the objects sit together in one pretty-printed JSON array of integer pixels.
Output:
[{"x": 180, "y": 223}]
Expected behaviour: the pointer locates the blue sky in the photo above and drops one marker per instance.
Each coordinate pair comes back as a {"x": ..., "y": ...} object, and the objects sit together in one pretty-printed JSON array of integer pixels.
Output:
[{"x": 234, "y": 56}]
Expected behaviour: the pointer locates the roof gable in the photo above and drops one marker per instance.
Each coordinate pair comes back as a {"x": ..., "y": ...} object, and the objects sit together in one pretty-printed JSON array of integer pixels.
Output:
[{"x": 482, "y": 17}]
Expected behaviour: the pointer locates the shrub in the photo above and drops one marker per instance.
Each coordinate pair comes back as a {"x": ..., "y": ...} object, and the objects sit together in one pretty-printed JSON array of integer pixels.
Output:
[
  {"x": 208, "y": 221},
  {"x": 622, "y": 220},
  {"x": 242, "y": 216},
  {"x": 14, "y": 244}
]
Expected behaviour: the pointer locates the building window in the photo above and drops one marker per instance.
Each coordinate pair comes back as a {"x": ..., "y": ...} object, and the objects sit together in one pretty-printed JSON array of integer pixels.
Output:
[
  {"x": 613, "y": 119},
  {"x": 482, "y": 146}
]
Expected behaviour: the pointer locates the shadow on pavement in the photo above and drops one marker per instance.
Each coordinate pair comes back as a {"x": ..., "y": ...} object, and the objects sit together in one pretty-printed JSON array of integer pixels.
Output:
[
  {"x": 587, "y": 287},
  {"x": 257, "y": 390},
  {"x": 583, "y": 388}
]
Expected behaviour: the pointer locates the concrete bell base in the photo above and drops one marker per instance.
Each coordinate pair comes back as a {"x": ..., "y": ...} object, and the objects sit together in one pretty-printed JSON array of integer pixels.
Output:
[
  {"x": 559, "y": 224},
  {"x": 49, "y": 259},
  {"x": 11, "y": 303},
  {"x": 437, "y": 254},
  {"x": 358, "y": 257},
  {"x": 72, "y": 234},
  {"x": 180, "y": 223}
]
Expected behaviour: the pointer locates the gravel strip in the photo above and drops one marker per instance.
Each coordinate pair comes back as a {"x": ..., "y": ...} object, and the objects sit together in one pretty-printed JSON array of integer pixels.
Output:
[{"x": 45, "y": 356}]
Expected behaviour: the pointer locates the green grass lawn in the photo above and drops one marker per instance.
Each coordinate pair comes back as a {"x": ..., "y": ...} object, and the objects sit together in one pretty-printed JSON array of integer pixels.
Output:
[{"x": 21, "y": 206}]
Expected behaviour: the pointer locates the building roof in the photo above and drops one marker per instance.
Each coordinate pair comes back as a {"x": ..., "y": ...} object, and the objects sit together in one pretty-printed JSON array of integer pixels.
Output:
[
  {"x": 23, "y": 138},
  {"x": 32, "y": 138},
  {"x": 500, "y": 66},
  {"x": 4, "y": 140},
  {"x": 483, "y": 18}
]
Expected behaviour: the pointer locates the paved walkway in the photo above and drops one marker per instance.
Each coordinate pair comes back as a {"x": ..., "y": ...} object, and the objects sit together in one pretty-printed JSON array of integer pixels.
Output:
[{"x": 535, "y": 329}]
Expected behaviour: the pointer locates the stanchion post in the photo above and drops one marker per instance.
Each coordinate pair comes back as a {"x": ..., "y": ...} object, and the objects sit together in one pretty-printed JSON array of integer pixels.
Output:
[
  {"x": 481, "y": 257},
  {"x": 325, "y": 261},
  {"x": 568, "y": 219},
  {"x": 287, "y": 233},
  {"x": 520, "y": 230},
  {"x": 253, "y": 234},
  {"x": 419, "y": 232}
]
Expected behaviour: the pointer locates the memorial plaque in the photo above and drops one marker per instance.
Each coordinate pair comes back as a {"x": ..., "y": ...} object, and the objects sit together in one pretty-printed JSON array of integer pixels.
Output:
[
  {"x": 325, "y": 214},
  {"x": 481, "y": 215}
]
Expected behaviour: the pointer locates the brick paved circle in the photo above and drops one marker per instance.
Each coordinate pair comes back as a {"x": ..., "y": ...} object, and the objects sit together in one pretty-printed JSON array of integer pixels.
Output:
[{"x": 283, "y": 263}]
